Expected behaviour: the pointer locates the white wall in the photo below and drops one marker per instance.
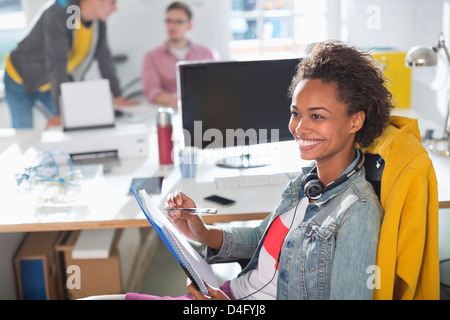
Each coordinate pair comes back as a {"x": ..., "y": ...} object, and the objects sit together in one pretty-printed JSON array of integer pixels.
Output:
[
  {"x": 431, "y": 86},
  {"x": 381, "y": 23},
  {"x": 31, "y": 7},
  {"x": 403, "y": 24}
]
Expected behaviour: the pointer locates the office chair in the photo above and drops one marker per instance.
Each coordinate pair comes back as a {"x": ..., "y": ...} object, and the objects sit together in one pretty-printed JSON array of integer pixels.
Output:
[
  {"x": 374, "y": 166},
  {"x": 133, "y": 92},
  {"x": 120, "y": 59},
  {"x": 405, "y": 181}
]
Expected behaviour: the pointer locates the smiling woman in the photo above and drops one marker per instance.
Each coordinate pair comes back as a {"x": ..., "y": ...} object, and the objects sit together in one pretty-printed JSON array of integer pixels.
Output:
[
  {"x": 338, "y": 100},
  {"x": 322, "y": 126},
  {"x": 315, "y": 245}
]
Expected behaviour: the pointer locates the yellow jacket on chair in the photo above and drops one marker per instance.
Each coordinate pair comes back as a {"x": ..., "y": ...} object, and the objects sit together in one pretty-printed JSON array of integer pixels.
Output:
[{"x": 408, "y": 254}]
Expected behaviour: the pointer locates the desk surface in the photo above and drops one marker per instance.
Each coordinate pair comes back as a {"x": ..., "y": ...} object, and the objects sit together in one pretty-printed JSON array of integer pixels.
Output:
[{"x": 112, "y": 207}]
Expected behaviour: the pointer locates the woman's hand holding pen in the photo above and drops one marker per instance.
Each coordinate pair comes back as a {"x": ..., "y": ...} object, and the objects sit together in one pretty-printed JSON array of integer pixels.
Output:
[{"x": 191, "y": 224}]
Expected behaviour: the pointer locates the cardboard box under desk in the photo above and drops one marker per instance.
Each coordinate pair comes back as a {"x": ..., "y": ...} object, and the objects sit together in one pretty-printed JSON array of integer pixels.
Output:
[
  {"x": 87, "y": 277},
  {"x": 35, "y": 267}
]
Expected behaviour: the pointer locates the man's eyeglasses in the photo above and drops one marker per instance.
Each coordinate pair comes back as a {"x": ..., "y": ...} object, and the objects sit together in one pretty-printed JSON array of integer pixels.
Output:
[{"x": 177, "y": 22}]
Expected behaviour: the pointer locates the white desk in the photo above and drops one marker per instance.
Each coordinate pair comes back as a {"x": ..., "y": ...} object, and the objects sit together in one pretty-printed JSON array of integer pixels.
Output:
[{"x": 114, "y": 208}]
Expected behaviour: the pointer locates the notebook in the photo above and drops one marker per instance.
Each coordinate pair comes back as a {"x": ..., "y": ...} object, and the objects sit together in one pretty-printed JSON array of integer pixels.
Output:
[{"x": 195, "y": 267}]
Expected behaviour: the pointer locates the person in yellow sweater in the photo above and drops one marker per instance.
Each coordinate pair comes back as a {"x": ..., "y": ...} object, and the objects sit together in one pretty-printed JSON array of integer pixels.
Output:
[{"x": 57, "y": 50}]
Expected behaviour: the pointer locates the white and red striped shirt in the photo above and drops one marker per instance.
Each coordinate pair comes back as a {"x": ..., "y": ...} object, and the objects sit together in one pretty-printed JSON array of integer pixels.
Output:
[{"x": 261, "y": 283}]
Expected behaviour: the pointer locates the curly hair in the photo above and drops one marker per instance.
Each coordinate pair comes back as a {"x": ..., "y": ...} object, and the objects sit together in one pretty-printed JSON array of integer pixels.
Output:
[{"x": 361, "y": 86}]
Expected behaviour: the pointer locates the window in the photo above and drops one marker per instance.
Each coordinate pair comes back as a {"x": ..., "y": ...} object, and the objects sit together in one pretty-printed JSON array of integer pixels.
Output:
[
  {"x": 275, "y": 27},
  {"x": 12, "y": 25}
]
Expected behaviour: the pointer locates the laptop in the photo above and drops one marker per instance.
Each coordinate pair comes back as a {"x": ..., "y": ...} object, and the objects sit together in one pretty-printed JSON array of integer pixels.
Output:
[{"x": 86, "y": 105}]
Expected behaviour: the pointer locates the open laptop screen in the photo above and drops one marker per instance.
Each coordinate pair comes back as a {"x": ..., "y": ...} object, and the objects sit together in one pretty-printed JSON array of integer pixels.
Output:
[{"x": 86, "y": 105}]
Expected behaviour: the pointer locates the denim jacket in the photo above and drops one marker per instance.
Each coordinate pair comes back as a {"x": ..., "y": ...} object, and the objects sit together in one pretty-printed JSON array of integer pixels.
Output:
[{"x": 331, "y": 254}]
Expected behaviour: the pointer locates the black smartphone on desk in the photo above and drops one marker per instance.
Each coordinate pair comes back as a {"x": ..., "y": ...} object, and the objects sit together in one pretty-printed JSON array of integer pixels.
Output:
[{"x": 220, "y": 200}]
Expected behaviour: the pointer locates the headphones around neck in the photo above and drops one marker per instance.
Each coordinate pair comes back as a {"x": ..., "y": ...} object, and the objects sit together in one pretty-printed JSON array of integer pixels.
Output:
[{"x": 313, "y": 188}]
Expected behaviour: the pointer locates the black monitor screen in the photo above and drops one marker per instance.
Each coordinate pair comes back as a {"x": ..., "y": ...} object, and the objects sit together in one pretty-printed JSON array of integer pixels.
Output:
[{"x": 230, "y": 103}]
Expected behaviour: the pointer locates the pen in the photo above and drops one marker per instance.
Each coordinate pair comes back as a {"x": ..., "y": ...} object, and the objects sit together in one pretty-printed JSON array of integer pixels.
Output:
[{"x": 196, "y": 210}]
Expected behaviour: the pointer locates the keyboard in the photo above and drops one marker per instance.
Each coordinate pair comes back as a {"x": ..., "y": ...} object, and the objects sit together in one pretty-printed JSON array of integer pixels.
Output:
[{"x": 254, "y": 180}]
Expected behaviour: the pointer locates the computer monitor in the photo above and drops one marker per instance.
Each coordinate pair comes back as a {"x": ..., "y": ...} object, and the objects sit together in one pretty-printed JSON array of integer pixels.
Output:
[{"x": 235, "y": 103}]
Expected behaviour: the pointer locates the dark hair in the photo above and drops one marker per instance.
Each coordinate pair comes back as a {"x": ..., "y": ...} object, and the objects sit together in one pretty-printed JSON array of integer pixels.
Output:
[
  {"x": 178, "y": 5},
  {"x": 360, "y": 84}
]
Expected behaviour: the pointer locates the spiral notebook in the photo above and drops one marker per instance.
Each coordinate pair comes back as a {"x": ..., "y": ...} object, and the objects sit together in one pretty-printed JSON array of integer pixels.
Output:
[{"x": 190, "y": 261}]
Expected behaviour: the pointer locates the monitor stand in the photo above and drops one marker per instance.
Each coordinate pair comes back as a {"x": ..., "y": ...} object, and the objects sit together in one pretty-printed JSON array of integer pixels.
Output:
[{"x": 246, "y": 160}]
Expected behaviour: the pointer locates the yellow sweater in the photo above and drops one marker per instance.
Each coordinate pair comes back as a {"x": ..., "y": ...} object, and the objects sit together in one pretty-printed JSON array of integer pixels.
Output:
[
  {"x": 81, "y": 45},
  {"x": 408, "y": 255}
]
